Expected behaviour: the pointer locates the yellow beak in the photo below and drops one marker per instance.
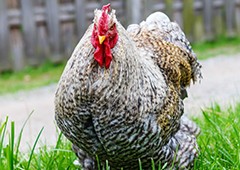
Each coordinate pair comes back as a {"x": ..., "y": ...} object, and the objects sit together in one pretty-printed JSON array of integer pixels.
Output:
[{"x": 101, "y": 38}]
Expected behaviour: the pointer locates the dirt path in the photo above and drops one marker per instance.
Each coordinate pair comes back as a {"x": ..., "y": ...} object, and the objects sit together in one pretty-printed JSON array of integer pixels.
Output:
[
  {"x": 221, "y": 84},
  {"x": 19, "y": 106}
]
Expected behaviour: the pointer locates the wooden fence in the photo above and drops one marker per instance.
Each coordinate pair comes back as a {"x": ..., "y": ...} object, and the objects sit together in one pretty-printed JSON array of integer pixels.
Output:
[{"x": 33, "y": 31}]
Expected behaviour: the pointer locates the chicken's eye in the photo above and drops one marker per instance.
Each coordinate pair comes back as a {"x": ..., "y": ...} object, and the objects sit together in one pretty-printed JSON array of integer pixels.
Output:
[{"x": 112, "y": 27}]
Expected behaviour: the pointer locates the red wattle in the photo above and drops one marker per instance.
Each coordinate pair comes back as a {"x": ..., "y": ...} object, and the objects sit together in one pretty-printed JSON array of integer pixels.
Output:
[
  {"x": 108, "y": 54},
  {"x": 103, "y": 54},
  {"x": 98, "y": 55}
]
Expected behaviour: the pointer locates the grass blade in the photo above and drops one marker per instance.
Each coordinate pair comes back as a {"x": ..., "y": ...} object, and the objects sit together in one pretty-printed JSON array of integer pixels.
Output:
[
  {"x": 140, "y": 164},
  {"x": 107, "y": 166},
  {"x": 98, "y": 163},
  {"x": 11, "y": 148},
  {"x": 153, "y": 164},
  {"x": 2, "y": 135},
  {"x": 32, "y": 151},
  {"x": 20, "y": 136},
  {"x": 59, "y": 140},
  {"x": 54, "y": 153}
]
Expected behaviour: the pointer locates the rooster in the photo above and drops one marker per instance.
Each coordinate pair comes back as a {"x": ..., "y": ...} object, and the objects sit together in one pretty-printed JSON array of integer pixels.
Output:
[{"x": 120, "y": 97}]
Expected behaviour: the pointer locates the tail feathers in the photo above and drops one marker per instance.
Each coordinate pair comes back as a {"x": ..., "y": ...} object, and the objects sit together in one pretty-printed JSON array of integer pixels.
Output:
[{"x": 184, "y": 144}]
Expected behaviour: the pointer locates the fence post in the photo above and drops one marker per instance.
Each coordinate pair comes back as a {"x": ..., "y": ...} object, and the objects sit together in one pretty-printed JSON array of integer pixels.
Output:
[
  {"x": 4, "y": 37},
  {"x": 237, "y": 14},
  {"x": 177, "y": 10},
  {"x": 81, "y": 17},
  {"x": 188, "y": 18},
  {"x": 169, "y": 8},
  {"x": 53, "y": 28},
  {"x": 133, "y": 10},
  {"x": 230, "y": 17},
  {"x": 148, "y": 8},
  {"x": 207, "y": 15},
  {"x": 29, "y": 32}
]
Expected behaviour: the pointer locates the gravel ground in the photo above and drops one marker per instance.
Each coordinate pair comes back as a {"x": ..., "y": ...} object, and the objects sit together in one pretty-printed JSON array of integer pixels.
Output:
[{"x": 221, "y": 84}]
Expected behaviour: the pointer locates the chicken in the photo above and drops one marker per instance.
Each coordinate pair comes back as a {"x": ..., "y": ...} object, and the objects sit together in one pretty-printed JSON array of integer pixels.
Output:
[{"x": 120, "y": 97}]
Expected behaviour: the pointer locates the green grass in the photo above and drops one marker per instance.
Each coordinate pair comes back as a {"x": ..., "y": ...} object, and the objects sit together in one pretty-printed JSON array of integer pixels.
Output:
[
  {"x": 59, "y": 156},
  {"x": 221, "y": 46},
  {"x": 30, "y": 77},
  {"x": 219, "y": 144},
  {"x": 220, "y": 139}
]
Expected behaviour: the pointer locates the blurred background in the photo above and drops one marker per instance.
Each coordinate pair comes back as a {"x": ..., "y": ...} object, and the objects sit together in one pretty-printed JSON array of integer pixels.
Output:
[{"x": 35, "y": 31}]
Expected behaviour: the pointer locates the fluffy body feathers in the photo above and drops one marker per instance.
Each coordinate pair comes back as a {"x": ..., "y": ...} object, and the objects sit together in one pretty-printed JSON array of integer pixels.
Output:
[{"x": 133, "y": 109}]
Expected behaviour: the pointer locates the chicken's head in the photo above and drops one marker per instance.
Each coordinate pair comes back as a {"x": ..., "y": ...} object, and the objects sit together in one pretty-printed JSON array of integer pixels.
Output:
[{"x": 104, "y": 35}]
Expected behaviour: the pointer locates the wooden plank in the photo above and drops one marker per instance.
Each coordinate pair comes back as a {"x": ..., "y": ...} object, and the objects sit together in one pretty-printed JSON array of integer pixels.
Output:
[
  {"x": 68, "y": 40},
  {"x": 4, "y": 37},
  {"x": 208, "y": 21},
  {"x": 53, "y": 26},
  {"x": 80, "y": 17},
  {"x": 133, "y": 11},
  {"x": 229, "y": 6},
  {"x": 218, "y": 23},
  {"x": 67, "y": 12},
  {"x": 17, "y": 49},
  {"x": 43, "y": 49},
  {"x": 29, "y": 31},
  {"x": 237, "y": 14},
  {"x": 199, "y": 29},
  {"x": 198, "y": 33},
  {"x": 177, "y": 12},
  {"x": 188, "y": 18},
  {"x": 168, "y": 8},
  {"x": 147, "y": 8}
]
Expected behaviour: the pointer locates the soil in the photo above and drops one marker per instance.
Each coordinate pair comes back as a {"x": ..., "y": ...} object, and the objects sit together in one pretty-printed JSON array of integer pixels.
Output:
[{"x": 220, "y": 84}]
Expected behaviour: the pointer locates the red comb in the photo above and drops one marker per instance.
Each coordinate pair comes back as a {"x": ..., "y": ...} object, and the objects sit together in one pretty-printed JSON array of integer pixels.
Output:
[
  {"x": 103, "y": 21},
  {"x": 106, "y": 7}
]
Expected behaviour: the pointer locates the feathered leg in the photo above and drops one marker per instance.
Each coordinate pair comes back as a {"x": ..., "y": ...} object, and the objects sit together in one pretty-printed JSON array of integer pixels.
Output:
[
  {"x": 85, "y": 160},
  {"x": 183, "y": 145}
]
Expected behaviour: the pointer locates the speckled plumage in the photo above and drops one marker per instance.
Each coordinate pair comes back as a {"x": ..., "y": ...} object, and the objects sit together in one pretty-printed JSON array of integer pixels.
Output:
[{"x": 133, "y": 110}]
